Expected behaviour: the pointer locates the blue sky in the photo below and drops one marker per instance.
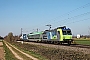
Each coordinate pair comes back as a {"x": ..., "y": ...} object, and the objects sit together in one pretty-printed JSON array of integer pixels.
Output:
[{"x": 33, "y": 14}]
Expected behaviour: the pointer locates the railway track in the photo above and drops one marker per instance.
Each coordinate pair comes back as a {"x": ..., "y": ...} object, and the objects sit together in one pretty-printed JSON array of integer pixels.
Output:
[
  {"x": 72, "y": 45},
  {"x": 75, "y": 45},
  {"x": 80, "y": 48}
]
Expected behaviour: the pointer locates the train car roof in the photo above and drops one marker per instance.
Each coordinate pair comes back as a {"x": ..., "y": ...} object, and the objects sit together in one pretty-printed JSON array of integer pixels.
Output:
[
  {"x": 66, "y": 29},
  {"x": 35, "y": 33},
  {"x": 61, "y": 27}
]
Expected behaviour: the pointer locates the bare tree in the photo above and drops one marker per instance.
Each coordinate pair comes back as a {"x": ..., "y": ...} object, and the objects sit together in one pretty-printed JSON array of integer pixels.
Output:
[{"x": 9, "y": 37}]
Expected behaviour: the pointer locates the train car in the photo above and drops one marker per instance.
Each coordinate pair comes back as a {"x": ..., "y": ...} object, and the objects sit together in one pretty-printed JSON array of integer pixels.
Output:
[
  {"x": 24, "y": 37},
  {"x": 66, "y": 35},
  {"x": 36, "y": 36},
  {"x": 59, "y": 35}
]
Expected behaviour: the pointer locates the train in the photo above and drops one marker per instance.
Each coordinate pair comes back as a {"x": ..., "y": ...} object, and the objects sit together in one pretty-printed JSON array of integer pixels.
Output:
[{"x": 59, "y": 35}]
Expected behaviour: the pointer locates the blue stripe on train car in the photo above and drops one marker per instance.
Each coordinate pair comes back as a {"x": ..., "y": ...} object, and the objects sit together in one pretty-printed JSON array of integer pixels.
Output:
[
  {"x": 53, "y": 33},
  {"x": 48, "y": 35}
]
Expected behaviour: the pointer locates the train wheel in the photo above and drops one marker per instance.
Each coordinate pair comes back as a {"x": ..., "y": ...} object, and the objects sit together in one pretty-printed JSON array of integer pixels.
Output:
[
  {"x": 48, "y": 42},
  {"x": 69, "y": 43},
  {"x": 56, "y": 42},
  {"x": 37, "y": 41},
  {"x": 60, "y": 43},
  {"x": 52, "y": 42}
]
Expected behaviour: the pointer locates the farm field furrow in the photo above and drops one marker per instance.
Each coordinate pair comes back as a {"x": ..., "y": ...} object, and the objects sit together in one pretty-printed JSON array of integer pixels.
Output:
[
  {"x": 84, "y": 50},
  {"x": 54, "y": 52}
]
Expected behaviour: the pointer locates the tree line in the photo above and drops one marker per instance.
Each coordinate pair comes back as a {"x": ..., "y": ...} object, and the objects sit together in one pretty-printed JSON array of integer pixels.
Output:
[{"x": 11, "y": 38}]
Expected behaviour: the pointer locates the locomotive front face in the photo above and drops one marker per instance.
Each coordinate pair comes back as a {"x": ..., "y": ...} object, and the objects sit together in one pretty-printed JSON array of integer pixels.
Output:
[
  {"x": 64, "y": 34},
  {"x": 67, "y": 34},
  {"x": 24, "y": 36}
]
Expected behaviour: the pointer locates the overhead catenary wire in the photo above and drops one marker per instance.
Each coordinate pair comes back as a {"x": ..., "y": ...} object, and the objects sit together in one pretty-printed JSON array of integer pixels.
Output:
[
  {"x": 78, "y": 21},
  {"x": 74, "y": 17},
  {"x": 69, "y": 19},
  {"x": 68, "y": 13}
]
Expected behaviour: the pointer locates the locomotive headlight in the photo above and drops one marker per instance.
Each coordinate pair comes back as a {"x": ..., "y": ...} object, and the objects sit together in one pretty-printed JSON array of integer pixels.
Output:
[{"x": 70, "y": 37}]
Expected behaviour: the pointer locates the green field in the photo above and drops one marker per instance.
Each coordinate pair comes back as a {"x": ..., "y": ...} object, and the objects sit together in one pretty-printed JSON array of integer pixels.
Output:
[{"x": 82, "y": 41}]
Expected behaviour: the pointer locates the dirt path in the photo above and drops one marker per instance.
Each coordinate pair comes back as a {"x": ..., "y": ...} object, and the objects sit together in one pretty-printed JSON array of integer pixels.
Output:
[
  {"x": 18, "y": 57},
  {"x": 21, "y": 52},
  {"x": 1, "y": 51}
]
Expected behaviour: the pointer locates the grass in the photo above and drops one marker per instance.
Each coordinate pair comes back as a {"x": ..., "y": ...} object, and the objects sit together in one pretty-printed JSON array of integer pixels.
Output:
[
  {"x": 84, "y": 42},
  {"x": 8, "y": 54},
  {"x": 36, "y": 55},
  {"x": 51, "y": 53},
  {"x": 32, "y": 53},
  {"x": 20, "y": 54},
  {"x": 82, "y": 39}
]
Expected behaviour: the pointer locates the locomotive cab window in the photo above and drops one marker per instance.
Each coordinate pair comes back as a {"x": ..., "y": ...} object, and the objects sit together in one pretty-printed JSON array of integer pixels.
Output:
[
  {"x": 67, "y": 32},
  {"x": 64, "y": 33}
]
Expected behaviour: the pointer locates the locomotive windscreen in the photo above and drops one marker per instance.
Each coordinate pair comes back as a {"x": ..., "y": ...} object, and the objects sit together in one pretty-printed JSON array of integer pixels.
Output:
[{"x": 66, "y": 32}]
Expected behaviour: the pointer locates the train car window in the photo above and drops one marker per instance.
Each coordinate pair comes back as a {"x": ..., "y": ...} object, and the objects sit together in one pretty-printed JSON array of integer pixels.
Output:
[
  {"x": 44, "y": 37},
  {"x": 64, "y": 32},
  {"x": 34, "y": 36},
  {"x": 37, "y": 36},
  {"x": 69, "y": 33}
]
